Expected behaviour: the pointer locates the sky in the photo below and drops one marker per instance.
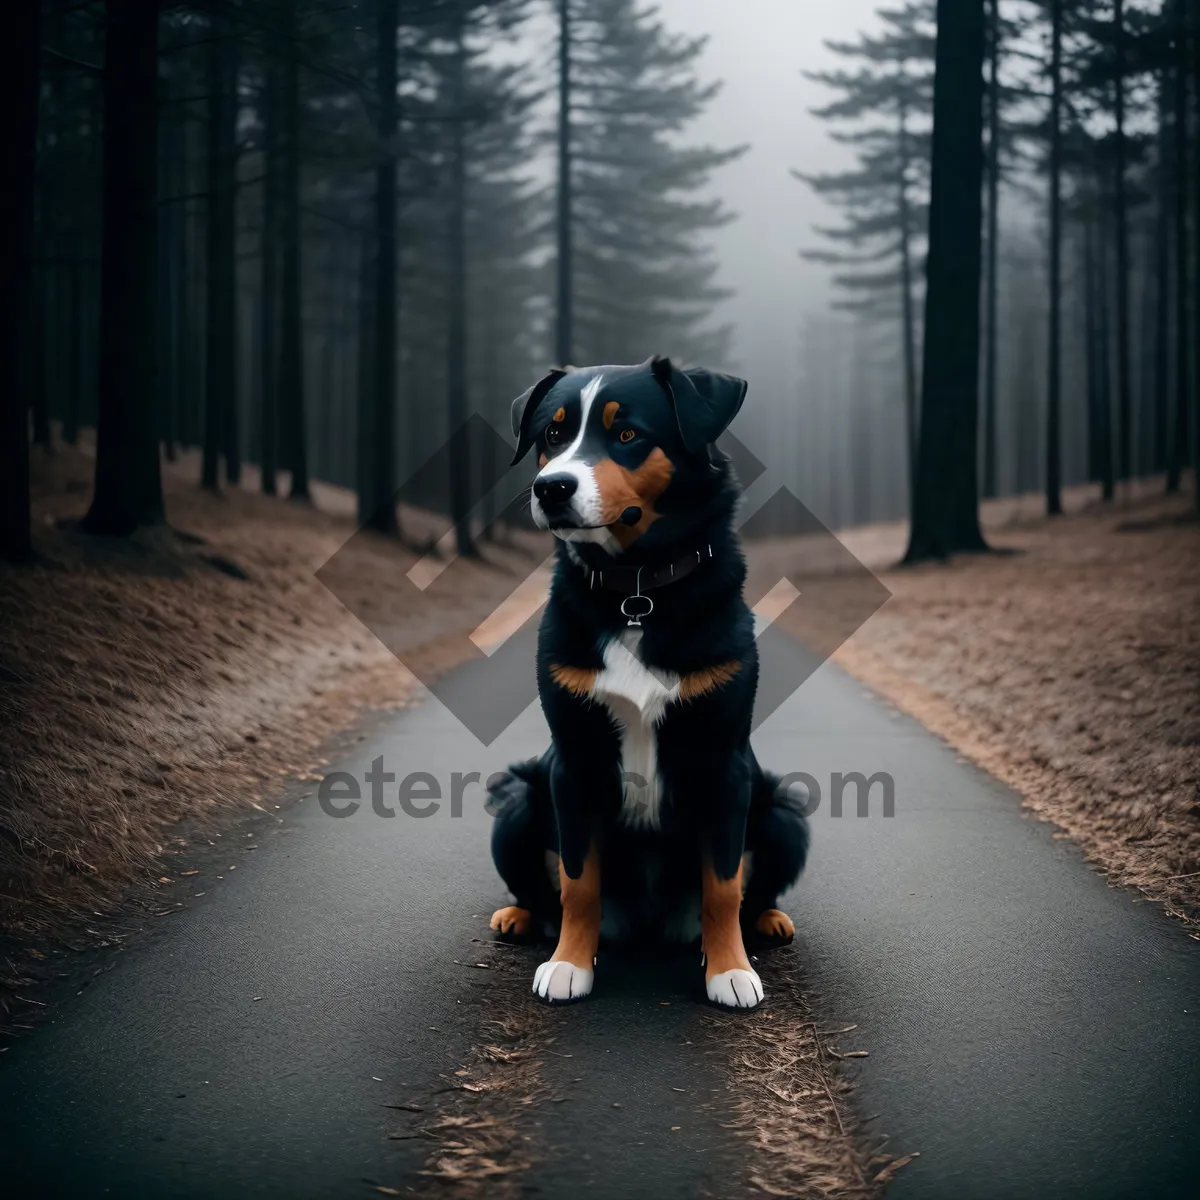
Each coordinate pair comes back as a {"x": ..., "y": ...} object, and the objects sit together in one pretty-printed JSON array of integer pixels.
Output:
[{"x": 759, "y": 48}]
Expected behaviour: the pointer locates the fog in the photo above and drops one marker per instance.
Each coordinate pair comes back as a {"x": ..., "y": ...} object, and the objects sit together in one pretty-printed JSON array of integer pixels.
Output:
[{"x": 759, "y": 49}]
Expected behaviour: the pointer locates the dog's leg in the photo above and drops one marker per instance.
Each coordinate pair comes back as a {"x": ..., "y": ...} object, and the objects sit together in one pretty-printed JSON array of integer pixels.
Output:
[
  {"x": 522, "y": 832},
  {"x": 728, "y": 976},
  {"x": 777, "y": 838},
  {"x": 569, "y": 972}
]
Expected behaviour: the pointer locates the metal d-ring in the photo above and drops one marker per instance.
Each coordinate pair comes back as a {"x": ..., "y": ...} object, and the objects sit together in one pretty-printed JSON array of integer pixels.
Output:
[{"x": 635, "y": 618}]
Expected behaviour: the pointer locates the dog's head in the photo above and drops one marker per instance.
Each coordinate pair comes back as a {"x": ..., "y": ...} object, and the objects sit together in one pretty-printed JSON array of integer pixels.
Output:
[{"x": 626, "y": 453}]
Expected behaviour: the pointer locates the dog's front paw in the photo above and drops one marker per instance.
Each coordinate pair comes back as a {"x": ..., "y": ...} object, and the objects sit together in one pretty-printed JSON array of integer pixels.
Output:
[
  {"x": 558, "y": 981},
  {"x": 735, "y": 989}
]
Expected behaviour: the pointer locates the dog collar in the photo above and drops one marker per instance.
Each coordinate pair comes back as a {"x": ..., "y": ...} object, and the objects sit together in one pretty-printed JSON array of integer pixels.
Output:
[{"x": 635, "y": 582}]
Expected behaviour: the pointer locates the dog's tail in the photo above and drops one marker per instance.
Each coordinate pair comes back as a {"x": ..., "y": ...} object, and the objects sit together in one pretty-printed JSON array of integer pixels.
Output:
[
  {"x": 525, "y": 783},
  {"x": 788, "y": 809}
]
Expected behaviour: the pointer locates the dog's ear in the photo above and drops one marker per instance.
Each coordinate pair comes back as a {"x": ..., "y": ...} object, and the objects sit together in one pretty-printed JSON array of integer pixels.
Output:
[
  {"x": 523, "y": 408},
  {"x": 704, "y": 401}
]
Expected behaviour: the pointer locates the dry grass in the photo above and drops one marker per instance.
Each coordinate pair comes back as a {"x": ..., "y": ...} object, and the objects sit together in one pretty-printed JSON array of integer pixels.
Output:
[
  {"x": 794, "y": 1102},
  {"x": 481, "y": 1135},
  {"x": 142, "y": 682},
  {"x": 1069, "y": 668}
]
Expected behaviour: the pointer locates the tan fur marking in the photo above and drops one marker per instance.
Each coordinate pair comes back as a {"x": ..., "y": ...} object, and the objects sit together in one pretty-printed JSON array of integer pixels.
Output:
[
  {"x": 720, "y": 927},
  {"x": 579, "y": 681},
  {"x": 775, "y": 923},
  {"x": 542, "y": 460},
  {"x": 620, "y": 488},
  {"x": 512, "y": 920},
  {"x": 707, "y": 679},
  {"x": 561, "y": 415},
  {"x": 580, "y": 934},
  {"x": 610, "y": 413}
]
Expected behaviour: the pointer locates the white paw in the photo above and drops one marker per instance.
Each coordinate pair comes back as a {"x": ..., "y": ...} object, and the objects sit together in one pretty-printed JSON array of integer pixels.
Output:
[
  {"x": 558, "y": 982},
  {"x": 736, "y": 988}
]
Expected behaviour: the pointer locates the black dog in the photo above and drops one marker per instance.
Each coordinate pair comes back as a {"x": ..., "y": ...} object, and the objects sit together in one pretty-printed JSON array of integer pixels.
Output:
[{"x": 649, "y": 809}]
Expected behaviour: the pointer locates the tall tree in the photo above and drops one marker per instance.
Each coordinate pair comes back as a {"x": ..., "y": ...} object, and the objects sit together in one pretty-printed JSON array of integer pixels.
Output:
[
  {"x": 1121, "y": 221},
  {"x": 220, "y": 416},
  {"x": 642, "y": 273},
  {"x": 292, "y": 408},
  {"x": 564, "y": 332},
  {"x": 883, "y": 196},
  {"x": 377, "y": 506},
  {"x": 945, "y": 517},
  {"x": 1179, "y": 164},
  {"x": 990, "y": 454},
  {"x": 268, "y": 314},
  {"x": 19, "y": 57},
  {"x": 456, "y": 240},
  {"x": 128, "y": 491},
  {"x": 1054, "y": 352},
  {"x": 1195, "y": 336}
]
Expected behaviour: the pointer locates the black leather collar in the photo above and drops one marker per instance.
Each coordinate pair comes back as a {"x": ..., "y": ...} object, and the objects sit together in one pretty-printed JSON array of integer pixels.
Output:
[{"x": 636, "y": 581}]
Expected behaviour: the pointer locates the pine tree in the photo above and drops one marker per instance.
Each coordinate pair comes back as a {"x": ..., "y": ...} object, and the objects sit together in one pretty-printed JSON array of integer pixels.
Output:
[
  {"x": 883, "y": 198},
  {"x": 128, "y": 491},
  {"x": 220, "y": 418},
  {"x": 642, "y": 278},
  {"x": 945, "y": 517},
  {"x": 19, "y": 58}
]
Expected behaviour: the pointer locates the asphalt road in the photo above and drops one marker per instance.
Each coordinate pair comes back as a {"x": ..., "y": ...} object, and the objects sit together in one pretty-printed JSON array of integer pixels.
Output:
[{"x": 1031, "y": 1031}]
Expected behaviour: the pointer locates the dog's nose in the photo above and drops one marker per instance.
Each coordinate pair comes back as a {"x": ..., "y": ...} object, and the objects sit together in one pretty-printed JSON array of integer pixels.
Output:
[{"x": 556, "y": 490}]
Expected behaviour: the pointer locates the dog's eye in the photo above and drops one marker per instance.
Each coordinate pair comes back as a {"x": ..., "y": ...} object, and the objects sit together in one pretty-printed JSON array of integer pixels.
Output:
[
  {"x": 627, "y": 435},
  {"x": 554, "y": 435}
]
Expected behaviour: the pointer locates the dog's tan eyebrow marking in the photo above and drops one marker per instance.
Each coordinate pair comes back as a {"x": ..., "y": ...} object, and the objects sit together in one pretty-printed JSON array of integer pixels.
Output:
[
  {"x": 610, "y": 413},
  {"x": 561, "y": 415},
  {"x": 707, "y": 679},
  {"x": 579, "y": 681}
]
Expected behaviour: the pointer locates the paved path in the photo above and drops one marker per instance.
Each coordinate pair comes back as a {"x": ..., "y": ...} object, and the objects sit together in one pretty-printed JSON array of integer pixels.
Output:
[{"x": 1032, "y": 1032}]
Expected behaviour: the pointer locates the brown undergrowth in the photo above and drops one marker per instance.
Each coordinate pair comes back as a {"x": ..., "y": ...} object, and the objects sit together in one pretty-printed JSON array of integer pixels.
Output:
[
  {"x": 482, "y": 1133},
  {"x": 1068, "y": 667},
  {"x": 794, "y": 1100},
  {"x": 164, "y": 677}
]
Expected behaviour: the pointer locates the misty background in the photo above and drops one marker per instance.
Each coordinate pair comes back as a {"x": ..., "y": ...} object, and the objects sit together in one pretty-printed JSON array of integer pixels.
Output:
[{"x": 367, "y": 221}]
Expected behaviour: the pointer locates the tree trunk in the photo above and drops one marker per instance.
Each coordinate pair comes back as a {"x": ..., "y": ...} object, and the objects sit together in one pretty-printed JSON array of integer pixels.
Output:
[
  {"x": 1179, "y": 433},
  {"x": 990, "y": 483},
  {"x": 364, "y": 462},
  {"x": 381, "y": 511},
  {"x": 291, "y": 343},
  {"x": 70, "y": 431},
  {"x": 946, "y": 502},
  {"x": 268, "y": 313},
  {"x": 1104, "y": 432},
  {"x": 220, "y": 412},
  {"x": 489, "y": 370},
  {"x": 168, "y": 288},
  {"x": 1121, "y": 217},
  {"x": 1091, "y": 341},
  {"x": 1195, "y": 336},
  {"x": 456, "y": 333},
  {"x": 1162, "y": 281},
  {"x": 908, "y": 316},
  {"x": 128, "y": 491},
  {"x": 1054, "y": 350},
  {"x": 564, "y": 330},
  {"x": 40, "y": 326}
]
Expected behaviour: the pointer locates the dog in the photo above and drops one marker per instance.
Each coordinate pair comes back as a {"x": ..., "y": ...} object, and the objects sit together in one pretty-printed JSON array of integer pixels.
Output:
[{"x": 649, "y": 815}]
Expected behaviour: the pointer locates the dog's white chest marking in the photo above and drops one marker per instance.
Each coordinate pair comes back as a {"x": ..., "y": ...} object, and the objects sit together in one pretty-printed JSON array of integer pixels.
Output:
[{"x": 637, "y": 698}]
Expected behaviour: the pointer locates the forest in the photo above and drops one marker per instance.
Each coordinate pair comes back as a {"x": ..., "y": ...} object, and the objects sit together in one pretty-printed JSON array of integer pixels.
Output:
[
  {"x": 272, "y": 274},
  {"x": 312, "y": 238}
]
